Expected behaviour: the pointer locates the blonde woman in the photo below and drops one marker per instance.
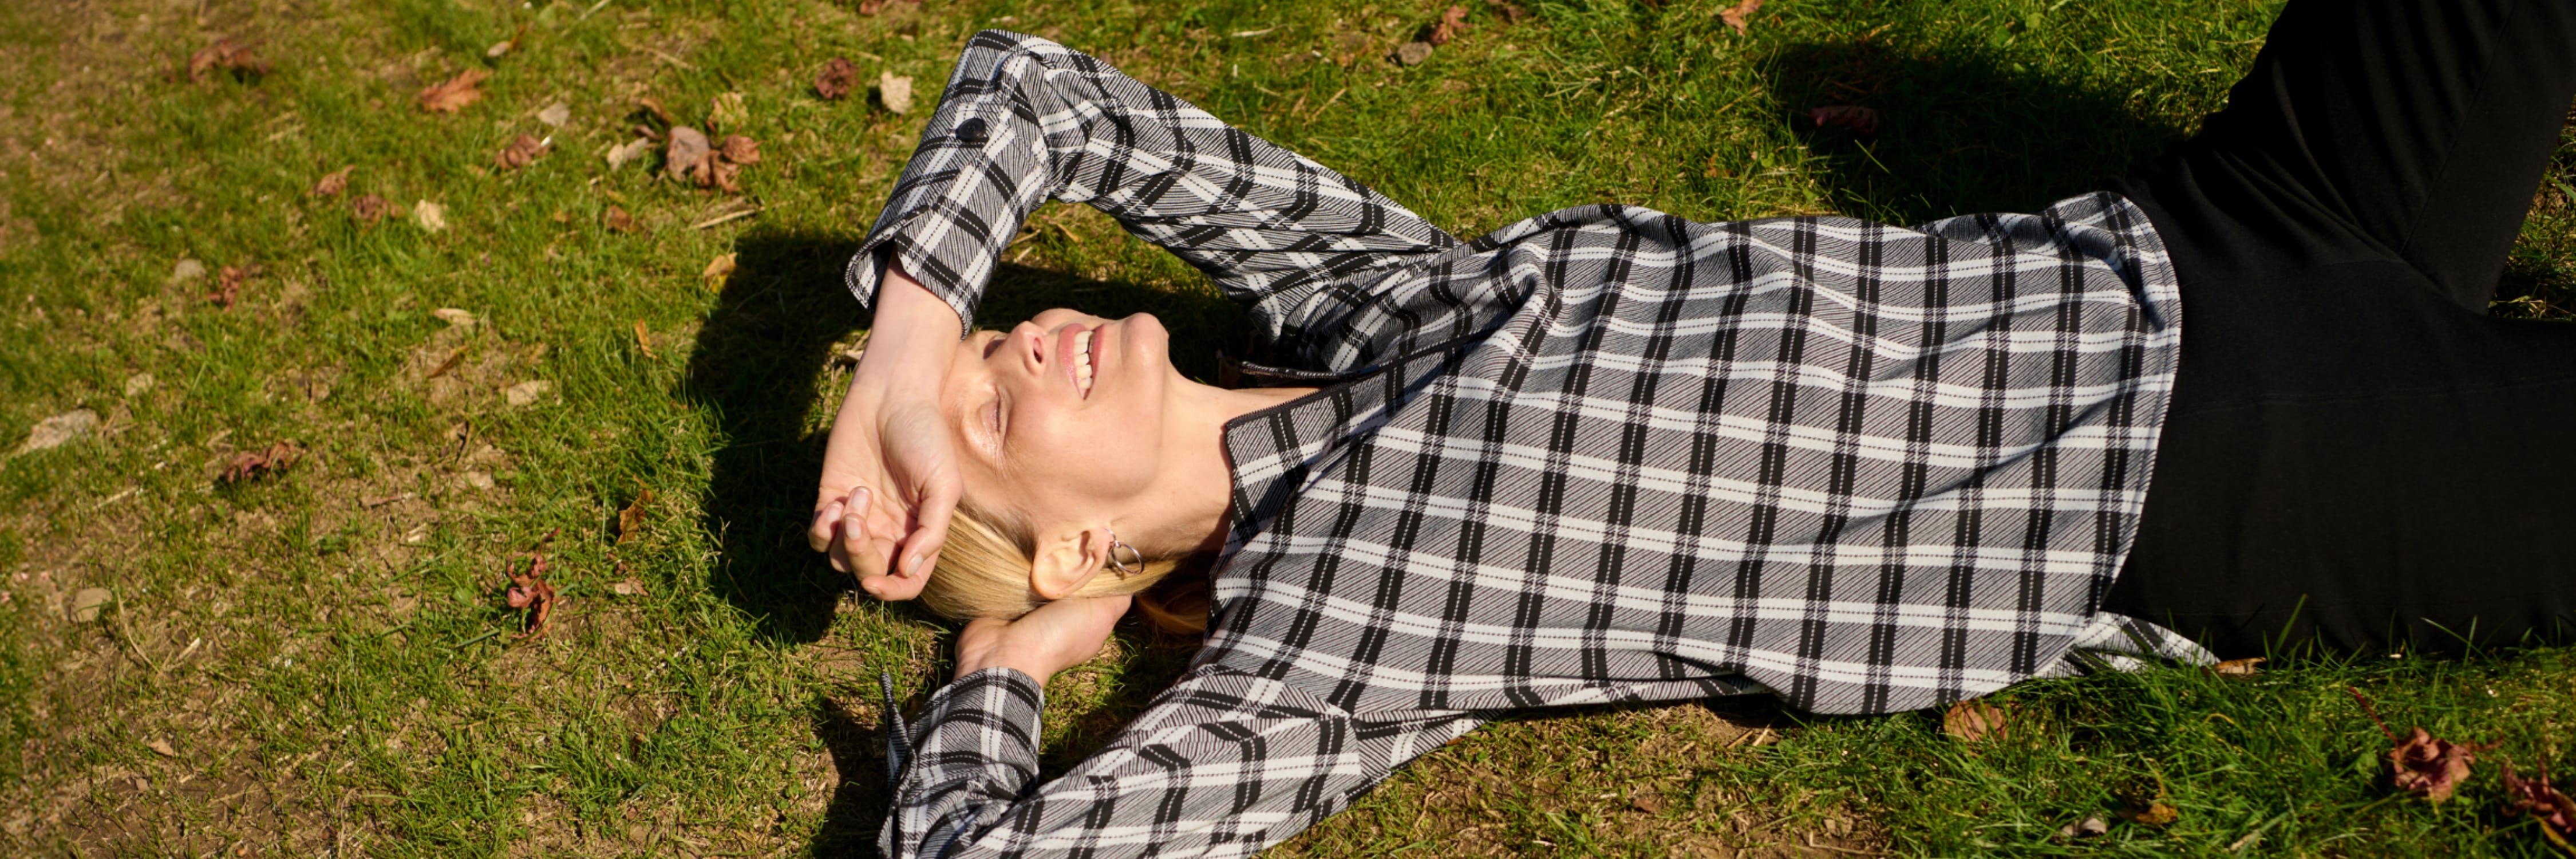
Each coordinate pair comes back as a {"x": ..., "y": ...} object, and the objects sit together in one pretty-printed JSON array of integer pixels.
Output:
[{"x": 1609, "y": 454}]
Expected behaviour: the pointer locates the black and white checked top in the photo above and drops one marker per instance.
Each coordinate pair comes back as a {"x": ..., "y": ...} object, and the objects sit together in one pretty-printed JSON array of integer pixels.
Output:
[{"x": 1603, "y": 454}]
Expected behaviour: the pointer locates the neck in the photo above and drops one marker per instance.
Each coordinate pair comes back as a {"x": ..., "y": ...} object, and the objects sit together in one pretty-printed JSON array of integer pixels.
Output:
[{"x": 1202, "y": 491}]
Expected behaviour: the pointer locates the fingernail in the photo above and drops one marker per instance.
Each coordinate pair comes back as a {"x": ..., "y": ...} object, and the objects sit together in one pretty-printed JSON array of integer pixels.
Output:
[
  {"x": 859, "y": 498},
  {"x": 912, "y": 563}
]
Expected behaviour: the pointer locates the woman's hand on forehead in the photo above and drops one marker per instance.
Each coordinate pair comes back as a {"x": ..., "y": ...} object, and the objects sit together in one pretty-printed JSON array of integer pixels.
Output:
[{"x": 890, "y": 478}]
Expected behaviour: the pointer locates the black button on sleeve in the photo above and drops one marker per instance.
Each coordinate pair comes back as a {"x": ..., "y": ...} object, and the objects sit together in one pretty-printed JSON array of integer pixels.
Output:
[{"x": 971, "y": 131}]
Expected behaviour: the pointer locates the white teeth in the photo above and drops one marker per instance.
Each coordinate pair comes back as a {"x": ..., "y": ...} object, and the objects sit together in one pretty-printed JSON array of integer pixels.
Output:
[{"x": 1082, "y": 361}]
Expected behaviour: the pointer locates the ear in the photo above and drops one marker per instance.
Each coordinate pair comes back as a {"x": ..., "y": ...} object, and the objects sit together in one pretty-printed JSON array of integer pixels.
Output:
[{"x": 1067, "y": 557}]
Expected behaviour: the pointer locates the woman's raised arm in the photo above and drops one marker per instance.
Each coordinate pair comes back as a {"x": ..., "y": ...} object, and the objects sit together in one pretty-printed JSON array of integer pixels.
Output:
[{"x": 1026, "y": 120}]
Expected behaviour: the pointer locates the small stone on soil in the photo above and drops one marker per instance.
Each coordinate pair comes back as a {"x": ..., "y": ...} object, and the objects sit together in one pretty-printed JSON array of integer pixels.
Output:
[
  {"x": 138, "y": 383},
  {"x": 1413, "y": 53},
  {"x": 187, "y": 270}
]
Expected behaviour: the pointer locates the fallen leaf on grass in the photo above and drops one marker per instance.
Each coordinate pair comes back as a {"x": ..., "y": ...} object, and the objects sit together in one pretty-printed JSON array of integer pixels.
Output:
[
  {"x": 839, "y": 76},
  {"x": 2421, "y": 764},
  {"x": 333, "y": 183},
  {"x": 1512, "y": 12},
  {"x": 627, "y": 588},
  {"x": 740, "y": 150},
  {"x": 2092, "y": 825},
  {"x": 2238, "y": 667},
  {"x": 161, "y": 747},
  {"x": 2556, "y": 812},
  {"x": 455, "y": 317},
  {"x": 686, "y": 150},
  {"x": 618, "y": 221},
  {"x": 453, "y": 359},
  {"x": 1975, "y": 721},
  {"x": 1412, "y": 53},
  {"x": 555, "y": 115},
  {"x": 631, "y": 519},
  {"x": 530, "y": 590},
  {"x": 522, "y": 150},
  {"x": 228, "y": 284},
  {"x": 431, "y": 217},
  {"x": 1740, "y": 16},
  {"x": 187, "y": 270},
  {"x": 505, "y": 46},
  {"x": 454, "y": 94},
  {"x": 1858, "y": 120},
  {"x": 726, "y": 112},
  {"x": 59, "y": 430},
  {"x": 253, "y": 465},
  {"x": 1453, "y": 23},
  {"x": 643, "y": 340},
  {"x": 620, "y": 154},
  {"x": 716, "y": 272},
  {"x": 225, "y": 54},
  {"x": 894, "y": 91},
  {"x": 653, "y": 106},
  {"x": 370, "y": 208},
  {"x": 2153, "y": 812}
]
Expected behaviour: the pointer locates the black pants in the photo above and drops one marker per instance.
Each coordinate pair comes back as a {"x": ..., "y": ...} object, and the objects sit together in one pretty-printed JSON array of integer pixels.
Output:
[{"x": 2357, "y": 454}]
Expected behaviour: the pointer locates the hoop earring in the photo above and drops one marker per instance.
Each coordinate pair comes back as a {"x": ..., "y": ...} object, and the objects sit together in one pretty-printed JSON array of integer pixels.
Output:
[{"x": 1121, "y": 567}]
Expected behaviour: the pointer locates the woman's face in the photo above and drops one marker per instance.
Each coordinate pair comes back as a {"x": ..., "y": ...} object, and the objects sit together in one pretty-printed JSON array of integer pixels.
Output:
[{"x": 1061, "y": 418}]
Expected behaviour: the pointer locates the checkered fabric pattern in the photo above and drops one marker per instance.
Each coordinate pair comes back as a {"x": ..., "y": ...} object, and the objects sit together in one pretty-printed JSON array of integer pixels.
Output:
[{"x": 1604, "y": 454}]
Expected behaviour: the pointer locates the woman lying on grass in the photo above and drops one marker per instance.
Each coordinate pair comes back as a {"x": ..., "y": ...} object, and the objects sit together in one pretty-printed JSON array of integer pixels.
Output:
[{"x": 1607, "y": 454}]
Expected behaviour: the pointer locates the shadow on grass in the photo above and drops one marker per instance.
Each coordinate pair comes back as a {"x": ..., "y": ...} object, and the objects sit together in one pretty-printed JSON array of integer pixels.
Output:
[
  {"x": 1958, "y": 132},
  {"x": 757, "y": 364}
]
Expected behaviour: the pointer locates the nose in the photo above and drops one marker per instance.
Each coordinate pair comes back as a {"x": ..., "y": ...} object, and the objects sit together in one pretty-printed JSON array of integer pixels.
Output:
[{"x": 1029, "y": 341}]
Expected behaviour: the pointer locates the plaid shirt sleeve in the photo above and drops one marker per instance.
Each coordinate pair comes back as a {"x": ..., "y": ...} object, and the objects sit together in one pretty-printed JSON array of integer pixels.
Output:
[
  {"x": 1223, "y": 764},
  {"x": 1026, "y": 120}
]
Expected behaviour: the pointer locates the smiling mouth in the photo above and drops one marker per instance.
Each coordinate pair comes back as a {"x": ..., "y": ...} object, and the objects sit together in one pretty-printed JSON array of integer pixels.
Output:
[{"x": 1082, "y": 362}]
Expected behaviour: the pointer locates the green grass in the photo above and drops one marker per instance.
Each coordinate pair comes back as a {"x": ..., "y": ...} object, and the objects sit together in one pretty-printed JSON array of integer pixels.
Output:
[{"x": 326, "y": 651}]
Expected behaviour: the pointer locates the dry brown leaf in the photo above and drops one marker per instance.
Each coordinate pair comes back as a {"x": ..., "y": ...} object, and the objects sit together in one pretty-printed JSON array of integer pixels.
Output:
[
  {"x": 740, "y": 150},
  {"x": 2555, "y": 811},
  {"x": 1975, "y": 721},
  {"x": 686, "y": 153},
  {"x": 627, "y": 588},
  {"x": 2420, "y": 763},
  {"x": 453, "y": 358},
  {"x": 2154, "y": 812},
  {"x": 530, "y": 590},
  {"x": 1859, "y": 120},
  {"x": 644, "y": 341},
  {"x": 273, "y": 459},
  {"x": 454, "y": 94},
  {"x": 1512, "y": 12},
  {"x": 161, "y": 747},
  {"x": 653, "y": 107},
  {"x": 1740, "y": 16},
  {"x": 555, "y": 115},
  {"x": 1453, "y": 24},
  {"x": 227, "y": 55},
  {"x": 332, "y": 183},
  {"x": 2247, "y": 667},
  {"x": 228, "y": 285},
  {"x": 2090, "y": 826},
  {"x": 370, "y": 208},
  {"x": 631, "y": 519},
  {"x": 839, "y": 76},
  {"x": 894, "y": 91},
  {"x": 430, "y": 217},
  {"x": 618, "y": 221},
  {"x": 619, "y": 155},
  {"x": 717, "y": 271},
  {"x": 522, "y": 150}
]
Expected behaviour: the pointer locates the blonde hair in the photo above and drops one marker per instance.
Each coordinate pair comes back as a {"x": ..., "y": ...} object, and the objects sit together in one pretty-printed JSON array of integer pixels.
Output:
[{"x": 983, "y": 571}]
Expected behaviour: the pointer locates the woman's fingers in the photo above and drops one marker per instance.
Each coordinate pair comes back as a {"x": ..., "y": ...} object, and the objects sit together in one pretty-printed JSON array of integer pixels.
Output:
[
  {"x": 930, "y": 528},
  {"x": 826, "y": 525}
]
